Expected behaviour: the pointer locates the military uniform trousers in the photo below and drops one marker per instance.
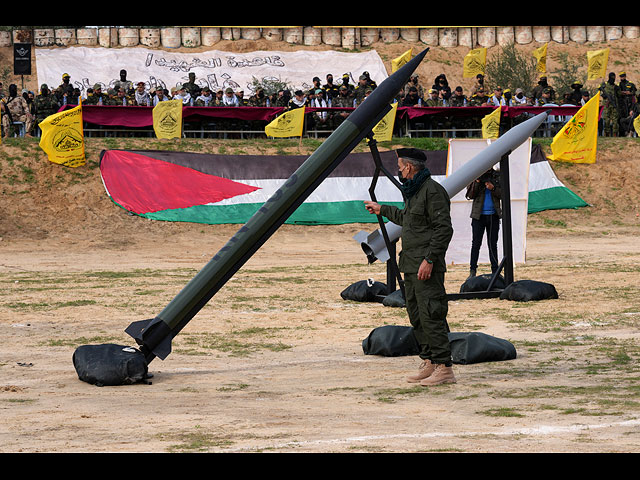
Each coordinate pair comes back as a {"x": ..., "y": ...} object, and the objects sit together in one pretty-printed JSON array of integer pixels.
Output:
[{"x": 427, "y": 307}]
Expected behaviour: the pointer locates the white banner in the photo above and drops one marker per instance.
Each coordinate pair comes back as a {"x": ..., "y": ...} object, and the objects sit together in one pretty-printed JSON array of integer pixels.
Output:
[
  {"x": 215, "y": 69},
  {"x": 460, "y": 152}
]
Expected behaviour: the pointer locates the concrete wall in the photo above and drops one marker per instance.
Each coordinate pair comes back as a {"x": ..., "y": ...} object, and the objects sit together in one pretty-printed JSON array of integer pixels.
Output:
[{"x": 345, "y": 37}]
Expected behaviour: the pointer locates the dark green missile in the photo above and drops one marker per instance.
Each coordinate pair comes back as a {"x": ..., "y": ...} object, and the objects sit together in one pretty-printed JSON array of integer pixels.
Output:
[{"x": 154, "y": 336}]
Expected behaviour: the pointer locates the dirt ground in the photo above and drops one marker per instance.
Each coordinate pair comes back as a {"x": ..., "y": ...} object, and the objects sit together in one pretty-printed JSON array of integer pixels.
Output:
[{"x": 274, "y": 363}]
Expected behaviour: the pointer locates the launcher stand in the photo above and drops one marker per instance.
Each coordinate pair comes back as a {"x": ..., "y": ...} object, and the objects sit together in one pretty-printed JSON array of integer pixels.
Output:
[
  {"x": 506, "y": 265},
  {"x": 393, "y": 272}
]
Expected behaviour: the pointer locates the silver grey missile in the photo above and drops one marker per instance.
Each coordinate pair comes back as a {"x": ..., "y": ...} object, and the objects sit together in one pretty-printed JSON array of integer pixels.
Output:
[
  {"x": 155, "y": 335},
  {"x": 373, "y": 243}
]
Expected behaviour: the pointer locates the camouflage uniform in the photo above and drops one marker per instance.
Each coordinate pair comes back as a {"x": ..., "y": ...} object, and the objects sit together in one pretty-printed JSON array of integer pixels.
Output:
[
  {"x": 64, "y": 87},
  {"x": 16, "y": 109},
  {"x": 433, "y": 102},
  {"x": 123, "y": 82},
  {"x": 413, "y": 82},
  {"x": 350, "y": 87},
  {"x": 344, "y": 100},
  {"x": 259, "y": 99},
  {"x": 360, "y": 90},
  {"x": 123, "y": 101},
  {"x": 191, "y": 86},
  {"x": 457, "y": 101},
  {"x": 97, "y": 97},
  {"x": 45, "y": 104},
  {"x": 610, "y": 114},
  {"x": 477, "y": 99},
  {"x": 627, "y": 100},
  {"x": 540, "y": 88},
  {"x": 126, "y": 84},
  {"x": 111, "y": 98},
  {"x": 281, "y": 100}
]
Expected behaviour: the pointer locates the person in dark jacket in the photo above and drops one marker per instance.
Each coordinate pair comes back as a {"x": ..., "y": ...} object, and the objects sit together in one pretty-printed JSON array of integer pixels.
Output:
[
  {"x": 426, "y": 234},
  {"x": 486, "y": 212}
]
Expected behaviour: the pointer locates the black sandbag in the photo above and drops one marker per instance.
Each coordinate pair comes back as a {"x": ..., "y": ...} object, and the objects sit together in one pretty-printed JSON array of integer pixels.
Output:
[
  {"x": 481, "y": 283},
  {"x": 364, "y": 291},
  {"x": 466, "y": 347},
  {"x": 110, "y": 364},
  {"x": 477, "y": 347},
  {"x": 391, "y": 341},
  {"x": 528, "y": 290},
  {"x": 395, "y": 299}
]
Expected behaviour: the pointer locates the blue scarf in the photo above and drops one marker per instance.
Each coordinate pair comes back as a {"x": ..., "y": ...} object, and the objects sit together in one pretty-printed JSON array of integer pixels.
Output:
[{"x": 411, "y": 187}]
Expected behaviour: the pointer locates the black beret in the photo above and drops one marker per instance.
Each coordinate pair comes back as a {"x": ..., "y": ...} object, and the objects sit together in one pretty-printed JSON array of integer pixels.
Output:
[{"x": 412, "y": 153}]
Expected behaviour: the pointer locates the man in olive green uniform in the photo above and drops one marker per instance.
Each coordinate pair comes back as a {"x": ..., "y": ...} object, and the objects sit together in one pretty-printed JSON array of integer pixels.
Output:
[
  {"x": 426, "y": 233},
  {"x": 610, "y": 92},
  {"x": 97, "y": 97},
  {"x": 628, "y": 93},
  {"x": 343, "y": 100},
  {"x": 45, "y": 104},
  {"x": 192, "y": 87}
]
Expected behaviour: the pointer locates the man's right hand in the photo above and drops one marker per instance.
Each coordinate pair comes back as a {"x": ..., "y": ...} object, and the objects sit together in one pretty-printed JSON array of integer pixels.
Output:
[{"x": 372, "y": 207}]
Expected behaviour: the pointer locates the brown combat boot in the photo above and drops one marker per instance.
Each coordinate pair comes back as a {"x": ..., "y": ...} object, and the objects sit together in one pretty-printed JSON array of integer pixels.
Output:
[
  {"x": 441, "y": 374},
  {"x": 426, "y": 368}
]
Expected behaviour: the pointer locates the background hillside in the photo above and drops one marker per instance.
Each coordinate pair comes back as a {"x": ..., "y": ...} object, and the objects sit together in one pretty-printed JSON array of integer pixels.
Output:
[{"x": 42, "y": 199}]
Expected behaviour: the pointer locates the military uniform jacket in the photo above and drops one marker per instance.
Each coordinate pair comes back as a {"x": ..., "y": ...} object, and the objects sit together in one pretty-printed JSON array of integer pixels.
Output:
[{"x": 426, "y": 227}]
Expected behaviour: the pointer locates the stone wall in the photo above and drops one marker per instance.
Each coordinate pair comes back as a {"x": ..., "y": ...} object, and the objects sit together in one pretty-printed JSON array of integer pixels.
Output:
[{"x": 349, "y": 38}]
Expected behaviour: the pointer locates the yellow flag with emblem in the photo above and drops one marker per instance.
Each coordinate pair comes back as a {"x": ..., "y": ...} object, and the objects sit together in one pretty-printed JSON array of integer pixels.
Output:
[
  {"x": 636, "y": 125},
  {"x": 167, "y": 119},
  {"x": 577, "y": 141},
  {"x": 289, "y": 124},
  {"x": 540, "y": 55},
  {"x": 383, "y": 131},
  {"x": 474, "y": 62},
  {"x": 62, "y": 137},
  {"x": 398, "y": 62},
  {"x": 597, "y": 63},
  {"x": 491, "y": 124}
]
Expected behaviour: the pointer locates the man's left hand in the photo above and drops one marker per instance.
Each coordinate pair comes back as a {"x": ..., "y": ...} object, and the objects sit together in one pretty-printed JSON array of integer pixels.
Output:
[{"x": 424, "y": 272}]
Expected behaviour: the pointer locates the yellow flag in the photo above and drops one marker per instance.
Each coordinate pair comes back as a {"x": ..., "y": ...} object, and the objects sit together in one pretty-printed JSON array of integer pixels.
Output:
[
  {"x": 62, "y": 137},
  {"x": 474, "y": 62},
  {"x": 597, "y": 63},
  {"x": 541, "y": 56},
  {"x": 398, "y": 62},
  {"x": 577, "y": 141},
  {"x": 636, "y": 125},
  {"x": 383, "y": 131},
  {"x": 491, "y": 124},
  {"x": 289, "y": 124},
  {"x": 167, "y": 119}
]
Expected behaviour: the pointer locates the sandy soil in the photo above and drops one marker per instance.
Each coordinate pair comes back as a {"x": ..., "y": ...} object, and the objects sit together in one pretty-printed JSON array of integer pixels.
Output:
[{"x": 274, "y": 363}]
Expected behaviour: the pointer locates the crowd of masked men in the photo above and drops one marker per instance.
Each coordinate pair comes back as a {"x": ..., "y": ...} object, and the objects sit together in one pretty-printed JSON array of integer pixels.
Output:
[{"x": 619, "y": 100}]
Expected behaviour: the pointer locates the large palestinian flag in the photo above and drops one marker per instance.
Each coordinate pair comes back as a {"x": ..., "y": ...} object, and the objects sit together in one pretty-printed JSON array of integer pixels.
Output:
[
  {"x": 222, "y": 189},
  {"x": 546, "y": 191}
]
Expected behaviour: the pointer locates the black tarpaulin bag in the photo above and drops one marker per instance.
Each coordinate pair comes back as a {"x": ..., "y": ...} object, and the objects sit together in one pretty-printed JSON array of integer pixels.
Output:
[
  {"x": 528, "y": 290},
  {"x": 110, "y": 364},
  {"x": 477, "y": 347},
  {"x": 466, "y": 347},
  {"x": 364, "y": 291},
  {"x": 391, "y": 341},
  {"x": 395, "y": 299},
  {"x": 480, "y": 283}
]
